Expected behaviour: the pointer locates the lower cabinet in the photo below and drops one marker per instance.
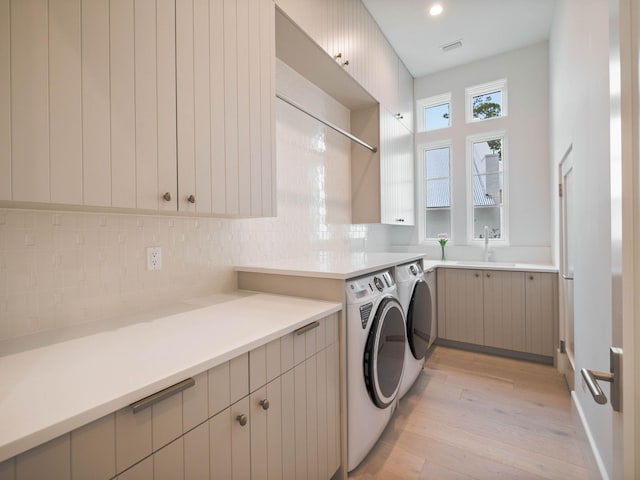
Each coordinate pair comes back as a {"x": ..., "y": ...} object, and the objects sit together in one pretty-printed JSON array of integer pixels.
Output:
[
  {"x": 272, "y": 413},
  {"x": 509, "y": 310}
]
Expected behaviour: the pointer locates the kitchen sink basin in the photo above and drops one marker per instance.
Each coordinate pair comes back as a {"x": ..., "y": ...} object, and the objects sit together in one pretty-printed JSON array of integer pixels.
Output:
[{"x": 488, "y": 264}]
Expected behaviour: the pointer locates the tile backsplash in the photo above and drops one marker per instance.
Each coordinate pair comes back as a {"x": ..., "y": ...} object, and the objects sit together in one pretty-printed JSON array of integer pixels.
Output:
[{"x": 60, "y": 268}]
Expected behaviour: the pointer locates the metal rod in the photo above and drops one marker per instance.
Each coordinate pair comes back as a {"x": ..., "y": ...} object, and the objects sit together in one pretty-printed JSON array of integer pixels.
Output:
[
  {"x": 306, "y": 328},
  {"x": 146, "y": 402},
  {"x": 328, "y": 124}
]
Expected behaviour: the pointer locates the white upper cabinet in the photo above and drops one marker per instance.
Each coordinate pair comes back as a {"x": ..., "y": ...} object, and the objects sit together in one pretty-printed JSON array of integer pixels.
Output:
[
  {"x": 154, "y": 104},
  {"x": 405, "y": 96},
  {"x": 225, "y": 57},
  {"x": 396, "y": 171},
  {"x": 92, "y": 95},
  {"x": 382, "y": 183}
]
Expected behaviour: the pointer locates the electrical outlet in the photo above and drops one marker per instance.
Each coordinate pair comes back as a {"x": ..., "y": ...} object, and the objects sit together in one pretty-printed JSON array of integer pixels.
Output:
[{"x": 154, "y": 258}]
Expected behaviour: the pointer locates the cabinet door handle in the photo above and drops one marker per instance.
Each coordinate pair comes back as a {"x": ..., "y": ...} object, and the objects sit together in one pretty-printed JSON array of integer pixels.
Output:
[
  {"x": 242, "y": 420},
  {"x": 146, "y": 402},
  {"x": 191, "y": 199},
  {"x": 530, "y": 277},
  {"x": 306, "y": 328},
  {"x": 167, "y": 196},
  {"x": 264, "y": 404},
  {"x": 345, "y": 63},
  {"x": 488, "y": 275},
  {"x": 476, "y": 275},
  {"x": 400, "y": 220}
]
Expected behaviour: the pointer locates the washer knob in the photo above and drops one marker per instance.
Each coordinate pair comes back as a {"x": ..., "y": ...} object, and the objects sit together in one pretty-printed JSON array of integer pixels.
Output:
[
  {"x": 378, "y": 283},
  {"x": 413, "y": 270}
]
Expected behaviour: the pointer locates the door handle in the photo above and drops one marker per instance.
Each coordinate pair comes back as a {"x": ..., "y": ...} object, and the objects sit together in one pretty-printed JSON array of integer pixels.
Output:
[{"x": 591, "y": 378}]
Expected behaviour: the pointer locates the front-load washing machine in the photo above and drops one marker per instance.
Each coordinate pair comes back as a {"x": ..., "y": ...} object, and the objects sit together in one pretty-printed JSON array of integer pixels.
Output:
[
  {"x": 416, "y": 292},
  {"x": 375, "y": 360}
]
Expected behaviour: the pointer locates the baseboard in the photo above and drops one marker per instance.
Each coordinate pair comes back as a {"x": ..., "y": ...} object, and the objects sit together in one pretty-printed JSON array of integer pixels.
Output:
[
  {"x": 531, "y": 357},
  {"x": 592, "y": 443}
]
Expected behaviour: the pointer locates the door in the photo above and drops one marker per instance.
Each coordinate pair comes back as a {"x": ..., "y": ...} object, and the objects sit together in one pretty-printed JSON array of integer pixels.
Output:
[
  {"x": 384, "y": 353},
  {"x": 567, "y": 229},
  {"x": 606, "y": 257},
  {"x": 419, "y": 320}
]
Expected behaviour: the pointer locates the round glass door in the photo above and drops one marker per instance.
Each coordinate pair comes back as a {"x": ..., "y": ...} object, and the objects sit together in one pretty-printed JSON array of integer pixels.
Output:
[
  {"x": 384, "y": 353},
  {"x": 419, "y": 320}
]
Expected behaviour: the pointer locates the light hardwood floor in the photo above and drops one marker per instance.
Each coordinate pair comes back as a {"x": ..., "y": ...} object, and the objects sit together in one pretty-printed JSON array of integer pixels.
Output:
[{"x": 477, "y": 416}]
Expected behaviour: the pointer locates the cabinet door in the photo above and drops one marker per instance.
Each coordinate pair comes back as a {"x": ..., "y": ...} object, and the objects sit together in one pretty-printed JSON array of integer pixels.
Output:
[
  {"x": 541, "y": 312},
  {"x": 504, "y": 325},
  {"x": 300, "y": 420},
  {"x": 93, "y": 119},
  {"x": 463, "y": 320},
  {"x": 405, "y": 96},
  {"x": 225, "y": 89},
  {"x": 396, "y": 171},
  {"x": 266, "y": 431},
  {"x": 230, "y": 442}
]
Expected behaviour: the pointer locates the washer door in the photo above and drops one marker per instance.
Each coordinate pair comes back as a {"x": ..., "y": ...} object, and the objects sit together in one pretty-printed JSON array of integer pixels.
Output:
[
  {"x": 384, "y": 353},
  {"x": 419, "y": 320}
]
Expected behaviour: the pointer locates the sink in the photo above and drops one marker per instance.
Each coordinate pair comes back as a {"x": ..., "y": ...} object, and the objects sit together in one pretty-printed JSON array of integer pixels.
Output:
[{"x": 485, "y": 264}]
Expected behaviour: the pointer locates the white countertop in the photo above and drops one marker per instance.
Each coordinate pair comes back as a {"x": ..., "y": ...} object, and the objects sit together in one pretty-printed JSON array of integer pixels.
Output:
[
  {"x": 52, "y": 389},
  {"x": 471, "y": 264},
  {"x": 328, "y": 265}
]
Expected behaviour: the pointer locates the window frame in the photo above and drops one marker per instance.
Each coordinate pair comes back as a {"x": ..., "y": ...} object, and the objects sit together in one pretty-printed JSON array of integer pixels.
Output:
[
  {"x": 422, "y": 200},
  {"x": 484, "y": 89},
  {"x": 429, "y": 102},
  {"x": 483, "y": 137}
]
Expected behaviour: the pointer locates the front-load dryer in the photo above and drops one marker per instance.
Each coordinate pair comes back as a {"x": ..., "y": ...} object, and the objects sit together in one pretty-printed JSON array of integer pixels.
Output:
[
  {"x": 375, "y": 360},
  {"x": 416, "y": 292}
]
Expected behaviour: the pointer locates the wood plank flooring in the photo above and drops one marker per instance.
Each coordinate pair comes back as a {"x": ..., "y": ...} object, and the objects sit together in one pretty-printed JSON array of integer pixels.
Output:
[{"x": 481, "y": 417}]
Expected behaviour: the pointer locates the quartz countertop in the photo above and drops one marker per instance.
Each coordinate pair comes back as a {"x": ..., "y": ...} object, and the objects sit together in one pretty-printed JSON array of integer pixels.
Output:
[
  {"x": 51, "y": 389},
  {"x": 471, "y": 264},
  {"x": 343, "y": 267},
  {"x": 328, "y": 265}
]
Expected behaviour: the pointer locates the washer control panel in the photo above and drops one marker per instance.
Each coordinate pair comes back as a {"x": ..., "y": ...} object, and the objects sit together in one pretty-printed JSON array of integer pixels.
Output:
[
  {"x": 361, "y": 289},
  {"x": 409, "y": 271}
]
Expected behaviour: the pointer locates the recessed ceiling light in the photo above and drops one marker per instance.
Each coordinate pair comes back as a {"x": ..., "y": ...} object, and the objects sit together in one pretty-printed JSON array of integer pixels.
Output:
[{"x": 435, "y": 10}]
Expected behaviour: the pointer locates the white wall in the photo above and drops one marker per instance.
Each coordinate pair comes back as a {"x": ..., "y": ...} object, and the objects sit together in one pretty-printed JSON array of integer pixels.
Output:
[
  {"x": 527, "y": 126},
  {"x": 579, "y": 70},
  {"x": 60, "y": 269}
]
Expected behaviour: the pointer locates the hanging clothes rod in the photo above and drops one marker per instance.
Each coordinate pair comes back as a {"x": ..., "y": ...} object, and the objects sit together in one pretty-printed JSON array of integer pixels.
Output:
[{"x": 328, "y": 124}]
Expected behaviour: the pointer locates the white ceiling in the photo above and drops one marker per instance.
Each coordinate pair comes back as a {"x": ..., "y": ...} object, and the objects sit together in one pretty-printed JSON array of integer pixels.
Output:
[{"x": 486, "y": 27}]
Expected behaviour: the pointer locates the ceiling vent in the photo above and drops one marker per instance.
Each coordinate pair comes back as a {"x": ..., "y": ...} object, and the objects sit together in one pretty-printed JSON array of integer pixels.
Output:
[{"x": 447, "y": 47}]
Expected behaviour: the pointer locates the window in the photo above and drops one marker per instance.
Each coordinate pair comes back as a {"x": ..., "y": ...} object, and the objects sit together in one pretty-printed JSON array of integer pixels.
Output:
[
  {"x": 434, "y": 113},
  {"x": 487, "y": 159},
  {"x": 486, "y": 101},
  {"x": 437, "y": 188}
]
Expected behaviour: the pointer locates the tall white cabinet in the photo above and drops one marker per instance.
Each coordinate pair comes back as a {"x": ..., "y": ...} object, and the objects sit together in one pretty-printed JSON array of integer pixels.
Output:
[
  {"x": 161, "y": 105},
  {"x": 383, "y": 181}
]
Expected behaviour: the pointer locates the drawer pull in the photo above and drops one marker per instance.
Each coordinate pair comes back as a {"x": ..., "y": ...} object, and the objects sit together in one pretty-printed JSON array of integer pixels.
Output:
[
  {"x": 167, "y": 196},
  {"x": 242, "y": 420},
  {"x": 306, "y": 328},
  {"x": 264, "y": 404},
  {"x": 146, "y": 402}
]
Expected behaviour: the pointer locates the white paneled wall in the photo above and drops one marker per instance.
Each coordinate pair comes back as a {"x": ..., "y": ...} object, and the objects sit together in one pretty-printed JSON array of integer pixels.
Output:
[{"x": 64, "y": 268}]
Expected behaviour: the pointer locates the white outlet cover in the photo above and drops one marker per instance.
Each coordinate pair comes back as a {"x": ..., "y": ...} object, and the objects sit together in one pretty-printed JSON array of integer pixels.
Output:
[{"x": 154, "y": 258}]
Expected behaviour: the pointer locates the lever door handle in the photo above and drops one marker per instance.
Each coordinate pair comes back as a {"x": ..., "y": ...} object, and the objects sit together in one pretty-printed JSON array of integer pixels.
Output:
[{"x": 591, "y": 378}]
